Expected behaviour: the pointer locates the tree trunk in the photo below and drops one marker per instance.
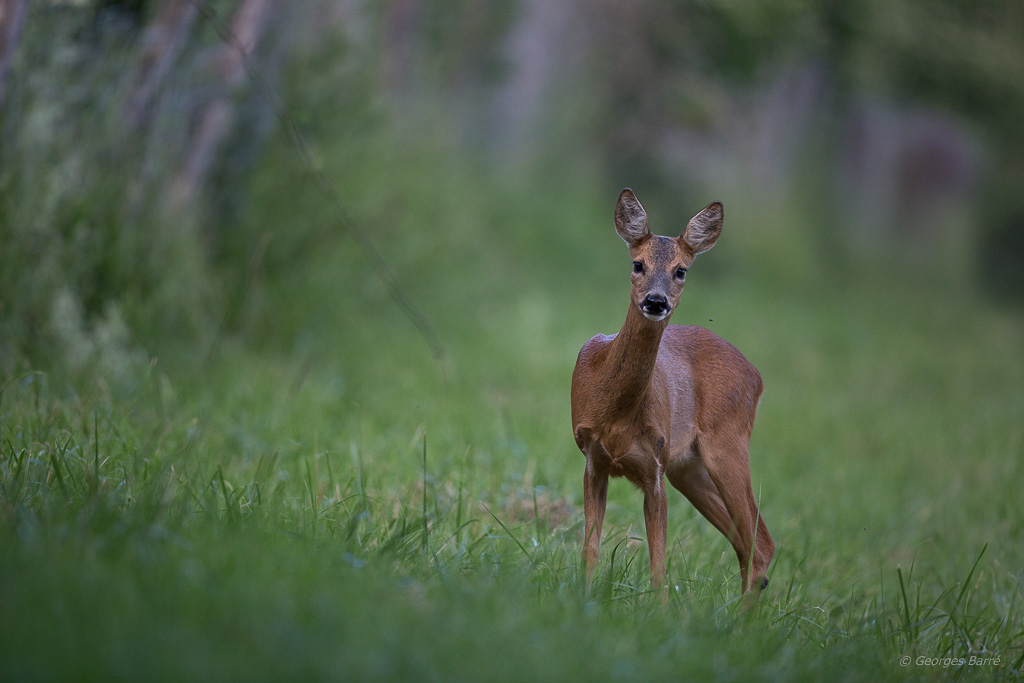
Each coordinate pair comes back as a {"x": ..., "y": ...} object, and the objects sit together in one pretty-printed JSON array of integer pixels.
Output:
[
  {"x": 162, "y": 42},
  {"x": 12, "y": 20},
  {"x": 217, "y": 117}
]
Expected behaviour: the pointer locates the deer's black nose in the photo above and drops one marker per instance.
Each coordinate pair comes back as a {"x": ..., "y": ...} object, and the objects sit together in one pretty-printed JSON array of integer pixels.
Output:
[{"x": 655, "y": 304}]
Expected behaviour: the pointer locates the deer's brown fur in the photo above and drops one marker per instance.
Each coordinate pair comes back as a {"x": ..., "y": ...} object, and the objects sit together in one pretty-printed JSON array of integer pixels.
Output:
[{"x": 659, "y": 400}]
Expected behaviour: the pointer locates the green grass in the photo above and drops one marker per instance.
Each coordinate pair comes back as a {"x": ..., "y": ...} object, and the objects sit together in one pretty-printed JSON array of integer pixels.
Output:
[{"x": 324, "y": 500}]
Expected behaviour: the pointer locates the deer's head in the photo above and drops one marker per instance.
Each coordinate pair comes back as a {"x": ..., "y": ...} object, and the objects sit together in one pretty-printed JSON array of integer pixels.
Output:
[{"x": 660, "y": 263}]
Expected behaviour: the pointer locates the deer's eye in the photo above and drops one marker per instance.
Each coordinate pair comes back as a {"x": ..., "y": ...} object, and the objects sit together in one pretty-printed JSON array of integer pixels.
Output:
[
  {"x": 680, "y": 273},
  {"x": 638, "y": 267}
]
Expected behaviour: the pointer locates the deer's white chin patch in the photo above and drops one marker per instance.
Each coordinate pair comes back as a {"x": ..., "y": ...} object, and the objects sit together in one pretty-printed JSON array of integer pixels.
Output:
[{"x": 655, "y": 318}]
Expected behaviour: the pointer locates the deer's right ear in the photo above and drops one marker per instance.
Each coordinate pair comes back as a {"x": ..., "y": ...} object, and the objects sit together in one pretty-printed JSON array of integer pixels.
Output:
[{"x": 631, "y": 219}]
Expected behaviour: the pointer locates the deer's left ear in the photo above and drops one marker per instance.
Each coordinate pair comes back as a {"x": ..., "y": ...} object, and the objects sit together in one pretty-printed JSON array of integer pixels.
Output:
[{"x": 703, "y": 229}]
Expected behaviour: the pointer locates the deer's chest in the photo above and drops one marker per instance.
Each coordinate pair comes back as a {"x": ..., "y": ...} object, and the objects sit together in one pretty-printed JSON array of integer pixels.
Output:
[{"x": 638, "y": 454}]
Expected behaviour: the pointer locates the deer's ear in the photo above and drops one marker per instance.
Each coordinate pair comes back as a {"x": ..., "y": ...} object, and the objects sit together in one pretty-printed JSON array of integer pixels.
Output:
[
  {"x": 631, "y": 219},
  {"x": 703, "y": 229}
]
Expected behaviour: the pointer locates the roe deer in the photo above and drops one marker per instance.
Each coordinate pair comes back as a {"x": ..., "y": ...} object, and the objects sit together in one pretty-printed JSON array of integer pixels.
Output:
[{"x": 659, "y": 400}]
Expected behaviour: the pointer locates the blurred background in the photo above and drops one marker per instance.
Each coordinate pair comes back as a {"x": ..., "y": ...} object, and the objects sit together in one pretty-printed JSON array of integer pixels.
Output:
[{"x": 154, "y": 193}]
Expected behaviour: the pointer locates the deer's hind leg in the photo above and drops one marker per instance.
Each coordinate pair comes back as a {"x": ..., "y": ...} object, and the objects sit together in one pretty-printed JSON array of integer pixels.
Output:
[
  {"x": 693, "y": 481},
  {"x": 717, "y": 483}
]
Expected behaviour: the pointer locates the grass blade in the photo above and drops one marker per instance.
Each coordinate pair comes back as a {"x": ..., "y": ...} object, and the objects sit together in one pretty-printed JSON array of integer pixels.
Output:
[{"x": 511, "y": 535}]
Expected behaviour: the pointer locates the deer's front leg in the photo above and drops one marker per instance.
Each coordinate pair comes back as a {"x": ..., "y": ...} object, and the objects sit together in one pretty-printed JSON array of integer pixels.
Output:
[
  {"x": 595, "y": 499},
  {"x": 656, "y": 520}
]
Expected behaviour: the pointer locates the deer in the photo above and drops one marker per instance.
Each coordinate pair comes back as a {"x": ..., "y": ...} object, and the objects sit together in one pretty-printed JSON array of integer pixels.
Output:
[{"x": 658, "y": 401}]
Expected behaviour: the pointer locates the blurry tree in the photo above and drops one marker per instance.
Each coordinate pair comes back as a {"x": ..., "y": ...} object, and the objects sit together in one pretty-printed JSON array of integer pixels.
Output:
[
  {"x": 215, "y": 118},
  {"x": 162, "y": 42},
  {"x": 12, "y": 19},
  {"x": 967, "y": 58},
  {"x": 907, "y": 106},
  {"x": 904, "y": 114}
]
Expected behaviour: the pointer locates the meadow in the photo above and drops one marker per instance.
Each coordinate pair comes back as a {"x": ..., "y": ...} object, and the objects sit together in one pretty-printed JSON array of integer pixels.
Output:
[
  {"x": 317, "y": 495},
  {"x": 227, "y": 453}
]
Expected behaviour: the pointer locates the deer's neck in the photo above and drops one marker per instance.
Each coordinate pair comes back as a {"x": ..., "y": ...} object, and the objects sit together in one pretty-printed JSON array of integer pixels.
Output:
[{"x": 631, "y": 360}]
